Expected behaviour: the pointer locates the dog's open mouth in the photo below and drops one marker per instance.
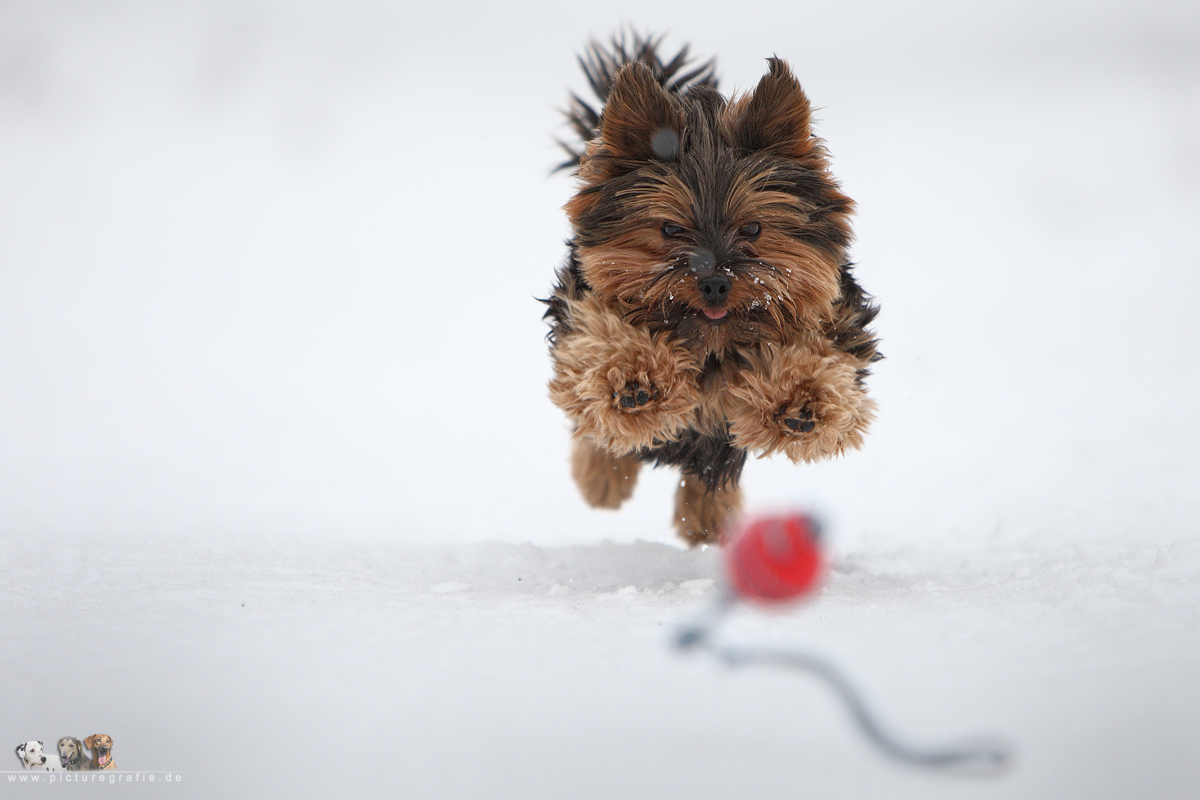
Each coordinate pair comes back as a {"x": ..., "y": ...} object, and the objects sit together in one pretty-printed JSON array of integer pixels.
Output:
[{"x": 716, "y": 313}]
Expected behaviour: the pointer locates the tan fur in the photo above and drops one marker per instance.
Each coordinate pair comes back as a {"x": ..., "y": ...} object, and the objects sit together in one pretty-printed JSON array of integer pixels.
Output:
[
  {"x": 712, "y": 413},
  {"x": 709, "y": 281},
  {"x": 605, "y": 480},
  {"x": 639, "y": 267},
  {"x": 777, "y": 117},
  {"x": 798, "y": 288},
  {"x": 625, "y": 266},
  {"x": 73, "y": 757},
  {"x": 801, "y": 285},
  {"x": 701, "y": 515},
  {"x": 100, "y": 741},
  {"x": 806, "y": 379},
  {"x": 635, "y": 103},
  {"x": 606, "y": 360}
]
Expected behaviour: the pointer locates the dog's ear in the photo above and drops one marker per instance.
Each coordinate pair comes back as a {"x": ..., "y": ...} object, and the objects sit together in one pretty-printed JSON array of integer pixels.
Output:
[
  {"x": 640, "y": 120},
  {"x": 21, "y": 750},
  {"x": 88, "y": 741},
  {"x": 775, "y": 117}
]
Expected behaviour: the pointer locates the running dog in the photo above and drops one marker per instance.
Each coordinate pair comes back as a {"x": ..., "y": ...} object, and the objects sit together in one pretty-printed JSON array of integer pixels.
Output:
[{"x": 707, "y": 308}]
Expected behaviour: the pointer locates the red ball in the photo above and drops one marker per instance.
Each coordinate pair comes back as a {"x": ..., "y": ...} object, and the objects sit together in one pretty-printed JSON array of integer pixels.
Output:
[{"x": 774, "y": 558}]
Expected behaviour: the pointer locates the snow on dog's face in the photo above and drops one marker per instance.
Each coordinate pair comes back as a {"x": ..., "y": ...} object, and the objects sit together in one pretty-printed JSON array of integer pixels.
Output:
[
  {"x": 717, "y": 219},
  {"x": 30, "y": 754}
]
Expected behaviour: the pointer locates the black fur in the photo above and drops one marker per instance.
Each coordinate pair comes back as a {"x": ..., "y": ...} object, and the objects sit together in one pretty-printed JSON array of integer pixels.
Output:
[
  {"x": 853, "y": 312},
  {"x": 709, "y": 456},
  {"x": 569, "y": 285},
  {"x": 600, "y": 64},
  {"x": 712, "y": 459}
]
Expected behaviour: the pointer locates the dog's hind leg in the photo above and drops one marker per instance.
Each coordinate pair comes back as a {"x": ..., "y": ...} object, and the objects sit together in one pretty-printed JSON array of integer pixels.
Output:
[
  {"x": 605, "y": 480},
  {"x": 702, "y": 514}
]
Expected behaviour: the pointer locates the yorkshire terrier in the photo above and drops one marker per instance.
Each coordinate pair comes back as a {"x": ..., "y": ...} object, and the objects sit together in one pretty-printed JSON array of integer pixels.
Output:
[{"x": 707, "y": 308}]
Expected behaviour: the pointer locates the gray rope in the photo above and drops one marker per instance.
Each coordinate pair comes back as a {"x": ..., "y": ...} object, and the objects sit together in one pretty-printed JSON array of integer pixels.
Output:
[{"x": 980, "y": 755}]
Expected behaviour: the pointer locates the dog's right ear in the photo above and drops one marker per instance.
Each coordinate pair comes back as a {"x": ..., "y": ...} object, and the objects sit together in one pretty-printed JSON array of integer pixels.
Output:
[
  {"x": 640, "y": 123},
  {"x": 88, "y": 741},
  {"x": 21, "y": 751}
]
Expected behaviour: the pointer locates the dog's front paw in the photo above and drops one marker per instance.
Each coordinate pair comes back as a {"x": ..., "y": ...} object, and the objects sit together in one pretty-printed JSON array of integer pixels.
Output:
[
  {"x": 636, "y": 397},
  {"x": 807, "y": 405},
  {"x": 797, "y": 420},
  {"x": 624, "y": 387},
  {"x": 633, "y": 396}
]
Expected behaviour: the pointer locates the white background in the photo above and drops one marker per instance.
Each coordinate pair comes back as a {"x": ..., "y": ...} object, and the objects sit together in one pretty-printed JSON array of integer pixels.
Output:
[{"x": 269, "y": 335}]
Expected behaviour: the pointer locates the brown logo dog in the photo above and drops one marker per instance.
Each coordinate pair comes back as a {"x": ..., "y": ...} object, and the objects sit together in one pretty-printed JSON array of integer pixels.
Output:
[{"x": 101, "y": 746}]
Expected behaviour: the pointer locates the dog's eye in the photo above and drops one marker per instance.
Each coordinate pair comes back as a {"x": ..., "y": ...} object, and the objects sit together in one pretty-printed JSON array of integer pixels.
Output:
[
  {"x": 671, "y": 230},
  {"x": 750, "y": 230}
]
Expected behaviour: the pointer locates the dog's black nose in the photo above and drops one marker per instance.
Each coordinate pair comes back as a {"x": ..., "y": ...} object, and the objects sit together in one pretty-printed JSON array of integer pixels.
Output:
[{"x": 715, "y": 288}]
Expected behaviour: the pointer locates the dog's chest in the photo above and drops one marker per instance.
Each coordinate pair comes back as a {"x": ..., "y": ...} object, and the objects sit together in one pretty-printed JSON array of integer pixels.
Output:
[{"x": 716, "y": 376}]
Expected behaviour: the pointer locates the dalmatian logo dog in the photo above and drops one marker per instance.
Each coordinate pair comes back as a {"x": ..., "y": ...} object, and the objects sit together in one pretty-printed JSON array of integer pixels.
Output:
[{"x": 32, "y": 757}]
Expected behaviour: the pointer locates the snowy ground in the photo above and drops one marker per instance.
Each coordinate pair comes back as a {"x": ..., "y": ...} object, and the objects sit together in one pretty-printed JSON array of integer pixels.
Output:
[{"x": 283, "y": 507}]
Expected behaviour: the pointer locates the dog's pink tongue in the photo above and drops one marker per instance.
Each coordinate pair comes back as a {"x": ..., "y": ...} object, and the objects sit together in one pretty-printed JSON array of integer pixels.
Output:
[
  {"x": 715, "y": 313},
  {"x": 103, "y": 759}
]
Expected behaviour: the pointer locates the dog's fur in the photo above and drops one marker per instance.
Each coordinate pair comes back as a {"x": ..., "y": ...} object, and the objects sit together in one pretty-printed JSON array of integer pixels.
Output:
[
  {"x": 32, "y": 757},
  {"x": 101, "y": 746},
  {"x": 707, "y": 307},
  {"x": 74, "y": 759}
]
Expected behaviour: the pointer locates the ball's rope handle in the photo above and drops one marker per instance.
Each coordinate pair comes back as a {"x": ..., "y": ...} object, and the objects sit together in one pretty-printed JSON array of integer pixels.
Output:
[{"x": 980, "y": 755}]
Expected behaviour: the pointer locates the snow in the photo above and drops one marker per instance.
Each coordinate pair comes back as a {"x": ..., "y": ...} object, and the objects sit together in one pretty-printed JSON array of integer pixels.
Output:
[{"x": 284, "y": 508}]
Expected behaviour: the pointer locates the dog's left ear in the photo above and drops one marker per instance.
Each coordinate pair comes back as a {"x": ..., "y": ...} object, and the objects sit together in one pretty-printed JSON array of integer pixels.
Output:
[{"x": 775, "y": 117}]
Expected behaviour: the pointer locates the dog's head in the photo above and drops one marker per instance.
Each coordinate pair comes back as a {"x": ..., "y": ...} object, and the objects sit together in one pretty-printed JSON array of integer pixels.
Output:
[
  {"x": 71, "y": 749},
  {"x": 101, "y": 746},
  {"x": 31, "y": 754},
  {"x": 717, "y": 219}
]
